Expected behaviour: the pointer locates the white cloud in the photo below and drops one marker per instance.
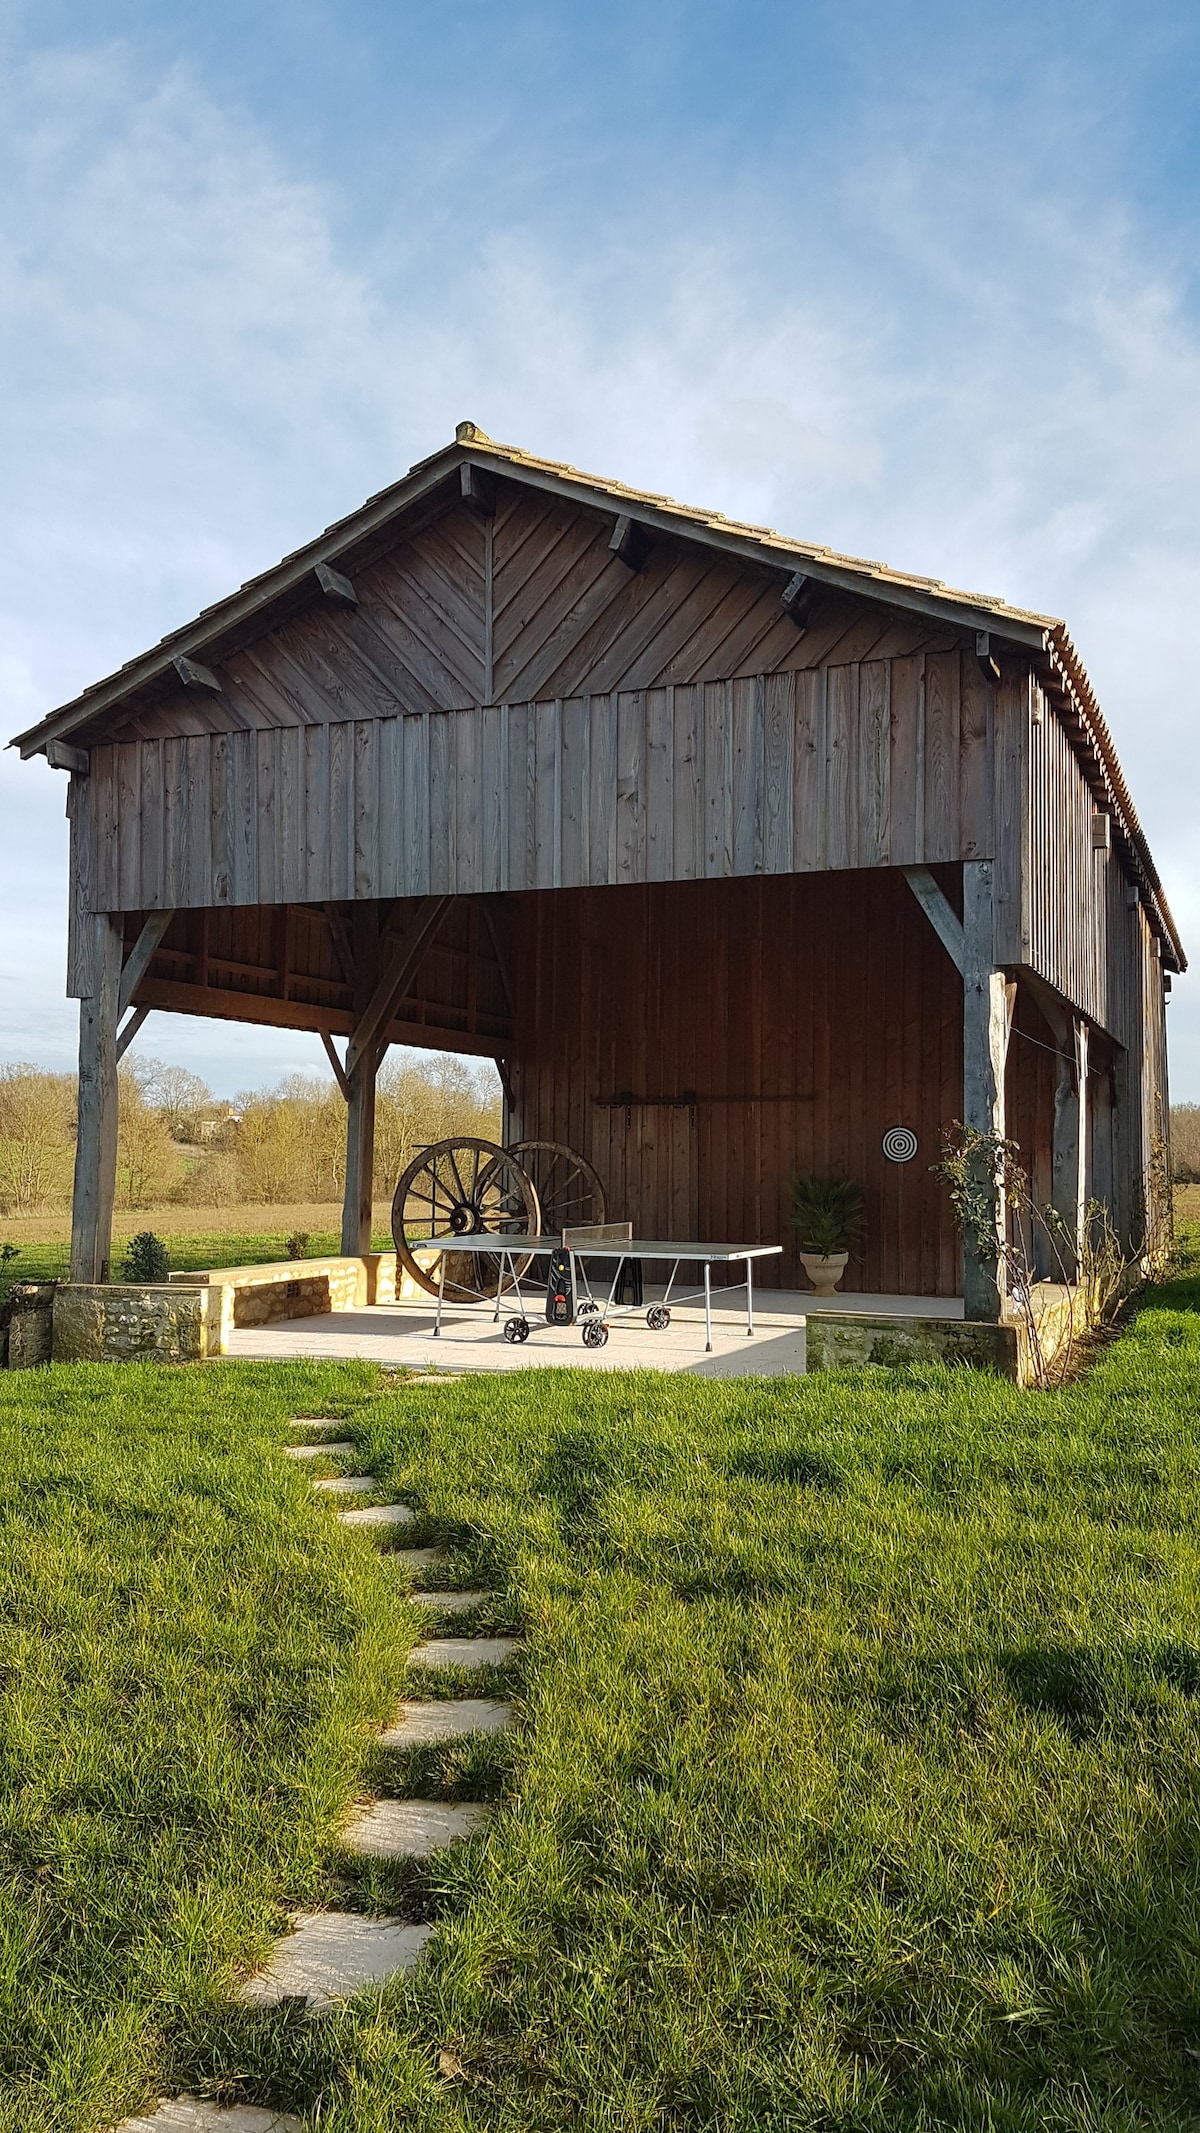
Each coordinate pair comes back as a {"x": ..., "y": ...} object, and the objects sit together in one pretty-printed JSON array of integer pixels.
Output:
[{"x": 201, "y": 373}]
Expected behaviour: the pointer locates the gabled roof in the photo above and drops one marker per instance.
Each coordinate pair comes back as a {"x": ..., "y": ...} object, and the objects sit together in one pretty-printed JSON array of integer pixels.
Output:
[{"x": 263, "y": 600}]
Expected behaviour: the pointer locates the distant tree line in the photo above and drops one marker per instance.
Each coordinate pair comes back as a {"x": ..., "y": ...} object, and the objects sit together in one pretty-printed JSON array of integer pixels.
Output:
[
  {"x": 178, "y": 1142},
  {"x": 1185, "y": 1143}
]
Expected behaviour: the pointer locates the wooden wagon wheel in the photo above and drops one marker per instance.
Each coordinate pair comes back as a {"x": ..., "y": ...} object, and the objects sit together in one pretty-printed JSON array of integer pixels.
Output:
[
  {"x": 462, "y": 1187},
  {"x": 569, "y": 1190}
]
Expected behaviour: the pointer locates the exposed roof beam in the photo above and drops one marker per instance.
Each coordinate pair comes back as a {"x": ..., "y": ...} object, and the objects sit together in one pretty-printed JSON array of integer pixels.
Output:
[
  {"x": 62, "y": 756},
  {"x": 334, "y": 586},
  {"x": 798, "y": 595},
  {"x": 629, "y": 543},
  {"x": 989, "y": 665},
  {"x": 478, "y": 489},
  {"x": 193, "y": 675}
]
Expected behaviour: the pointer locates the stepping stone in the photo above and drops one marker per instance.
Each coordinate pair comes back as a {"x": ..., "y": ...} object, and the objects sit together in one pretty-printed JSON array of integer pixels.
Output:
[
  {"x": 463, "y": 1651},
  {"x": 317, "y": 1422},
  {"x": 417, "y": 1560},
  {"x": 318, "y": 1451},
  {"x": 410, "y": 1829},
  {"x": 347, "y": 1484},
  {"x": 450, "y": 1603},
  {"x": 188, "y": 2114},
  {"x": 378, "y": 1514},
  {"x": 331, "y": 1955},
  {"x": 423, "y": 1725}
]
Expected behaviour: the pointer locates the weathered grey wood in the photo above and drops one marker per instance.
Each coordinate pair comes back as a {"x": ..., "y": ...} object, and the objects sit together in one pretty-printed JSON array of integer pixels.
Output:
[
  {"x": 96, "y": 1144},
  {"x": 985, "y": 1048},
  {"x": 397, "y": 968},
  {"x": 940, "y": 912},
  {"x": 797, "y": 597},
  {"x": 339, "y": 1071},
  {"x": 629, "y": 543},
  {"x": 195, "y": 676},
  {"x": 62, "y": 755},
  {"x": 128, "y": 1031},
  {"x": 141, "y": 955},
  {"x": 334, "y": 586}
]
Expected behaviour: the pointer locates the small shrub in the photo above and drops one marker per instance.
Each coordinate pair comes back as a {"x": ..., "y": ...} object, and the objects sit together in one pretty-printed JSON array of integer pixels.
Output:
[
  {"x": 296, "y": 1246},
  {"x": 146, "y": 1258},
  {"x": 828, "y": 1212},
  {"x": 8, "y": 1252}
]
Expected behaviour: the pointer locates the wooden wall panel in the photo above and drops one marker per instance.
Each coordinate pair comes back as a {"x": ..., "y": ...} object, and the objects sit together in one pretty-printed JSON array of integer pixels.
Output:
[
  {"x": 765, "y": 773},
  {"x": 793, "y": 1020}
]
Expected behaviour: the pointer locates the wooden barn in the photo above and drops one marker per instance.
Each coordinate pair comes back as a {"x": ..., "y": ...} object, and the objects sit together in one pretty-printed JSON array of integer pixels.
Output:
[{"x": 741, "y": 858}]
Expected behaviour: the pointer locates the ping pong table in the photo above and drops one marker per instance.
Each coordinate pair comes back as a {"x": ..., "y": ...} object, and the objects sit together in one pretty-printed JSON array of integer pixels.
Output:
[{"x": 607, "y": 1243}]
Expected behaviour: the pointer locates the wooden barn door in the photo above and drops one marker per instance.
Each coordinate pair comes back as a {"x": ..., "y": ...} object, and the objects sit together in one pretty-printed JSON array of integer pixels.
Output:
[{"x": 647, "y": 1155}]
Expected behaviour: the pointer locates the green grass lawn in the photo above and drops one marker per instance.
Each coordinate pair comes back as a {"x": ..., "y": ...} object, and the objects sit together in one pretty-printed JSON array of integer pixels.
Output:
[
  {"x": 858, "y": 1784},
  {"x": 187, "y": 1253}
]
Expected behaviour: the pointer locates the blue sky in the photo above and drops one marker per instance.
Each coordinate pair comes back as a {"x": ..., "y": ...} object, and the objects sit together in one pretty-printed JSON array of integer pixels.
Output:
[{"x": 921, "y": 282}]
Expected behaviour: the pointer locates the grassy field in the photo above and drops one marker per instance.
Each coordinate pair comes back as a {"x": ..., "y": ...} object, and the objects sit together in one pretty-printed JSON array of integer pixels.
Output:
[
  {"x": 857, "y": 1788},
  {"x": 194, "y": 1236}
]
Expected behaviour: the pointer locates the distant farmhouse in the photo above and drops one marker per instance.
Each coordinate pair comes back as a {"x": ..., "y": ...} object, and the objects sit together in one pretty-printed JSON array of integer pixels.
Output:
[{"x": 740, "y": 857}]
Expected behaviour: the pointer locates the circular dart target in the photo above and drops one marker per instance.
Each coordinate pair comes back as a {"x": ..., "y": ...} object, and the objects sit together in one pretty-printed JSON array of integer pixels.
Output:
[{"x": 899, "y": 1144}]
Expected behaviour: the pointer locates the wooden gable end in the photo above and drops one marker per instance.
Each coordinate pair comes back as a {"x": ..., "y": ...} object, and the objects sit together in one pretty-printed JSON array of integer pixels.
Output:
[{"x": 527, "y": 604}]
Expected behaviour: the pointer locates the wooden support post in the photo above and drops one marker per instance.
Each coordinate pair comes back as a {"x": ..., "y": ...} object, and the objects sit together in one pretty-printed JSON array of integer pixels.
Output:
[
  {"x": 360, "y": 1152},
  {"x": 96, "y": 1142},
  {"x": 985, "y": 1049},
  {"x": 362, "y": 1062},
  {"x": 1070, "y": 1169}
]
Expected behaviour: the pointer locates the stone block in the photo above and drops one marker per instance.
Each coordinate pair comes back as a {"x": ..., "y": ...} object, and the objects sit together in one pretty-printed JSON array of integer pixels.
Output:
[
  {"x": 337, "y": 1450},
  {"x": 410, "y": 1829},
  {"x": 378, "y": 1514},
  {"x": 120, "y": 1322},
  {"x": 845, "y": 1340},
  {"x": 30, "y": 1328},
  {"x": 463, "y": 1651},
  {"x": 425, "y": 1725},
  {"x": 450, "y": 1603},
  {"x": 331, "y": 1955},
  {"x": 416, "y": 1561},
  {"x": 190, "y": 2114},
  {"x": 346, "y": 1484}
]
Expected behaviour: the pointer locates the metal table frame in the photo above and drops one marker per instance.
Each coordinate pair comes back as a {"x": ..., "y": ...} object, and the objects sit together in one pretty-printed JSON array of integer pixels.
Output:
[{"x": 511, "y": 1249}]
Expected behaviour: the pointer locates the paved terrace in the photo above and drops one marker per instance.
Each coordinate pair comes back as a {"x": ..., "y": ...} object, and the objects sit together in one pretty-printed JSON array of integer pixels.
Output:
[{"x": 402, "y": 1334}]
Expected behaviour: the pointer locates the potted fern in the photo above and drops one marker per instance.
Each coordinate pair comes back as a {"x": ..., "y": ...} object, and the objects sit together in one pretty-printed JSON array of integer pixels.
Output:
[{"x": 827, "y": 1212}]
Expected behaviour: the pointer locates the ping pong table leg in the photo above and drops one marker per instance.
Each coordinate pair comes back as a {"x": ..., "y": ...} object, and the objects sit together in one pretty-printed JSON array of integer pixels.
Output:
[
  {"x": 707, "y": 1308},
  {"x": 437, "y": 1324},
  {"x": 749, "y": 1299}
]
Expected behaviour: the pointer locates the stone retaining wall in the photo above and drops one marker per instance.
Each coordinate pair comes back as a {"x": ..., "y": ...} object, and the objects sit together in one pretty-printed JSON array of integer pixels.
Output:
[{"x": 123, "y": 1322}]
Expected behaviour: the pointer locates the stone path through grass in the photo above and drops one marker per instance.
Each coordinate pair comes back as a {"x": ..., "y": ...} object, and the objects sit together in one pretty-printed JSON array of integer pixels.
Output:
[{"x": 328, "y": 1956}]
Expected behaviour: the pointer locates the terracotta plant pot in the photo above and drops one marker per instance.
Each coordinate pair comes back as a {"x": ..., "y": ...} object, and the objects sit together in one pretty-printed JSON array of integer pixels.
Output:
[{"x": 824, "y": 1270}]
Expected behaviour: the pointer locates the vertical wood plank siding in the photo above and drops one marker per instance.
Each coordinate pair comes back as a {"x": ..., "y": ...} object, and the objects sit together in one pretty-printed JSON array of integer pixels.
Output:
[
  {"x": 1081, "y": 934},
  {"x": 871, "y": 764},
  {"x": 804, "y": 1016}
]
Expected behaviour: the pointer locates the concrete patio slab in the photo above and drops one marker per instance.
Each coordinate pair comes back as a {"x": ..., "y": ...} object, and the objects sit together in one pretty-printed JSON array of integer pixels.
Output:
[
  {"x": 410, "y": 1829},
  {"x": 190, "y": 2114},
  {"x": 464, "y": 1651},
  {"x": 379, "y": 1514},
  {"x": 346, "y": 1484},
  {"x": 341, "y": 1449},
  {"x": 424, "y": 1725},
  {"x": 402, "y": 1335},
  {"x": 450, "y": 1603},
  {"x": 331, "y": 1955}
]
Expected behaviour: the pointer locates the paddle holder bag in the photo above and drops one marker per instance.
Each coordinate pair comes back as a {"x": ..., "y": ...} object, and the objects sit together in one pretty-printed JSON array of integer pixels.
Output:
[{"x": 560, "y": 1290}]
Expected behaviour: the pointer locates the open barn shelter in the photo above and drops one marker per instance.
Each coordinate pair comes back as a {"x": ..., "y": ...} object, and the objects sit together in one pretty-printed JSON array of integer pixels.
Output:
[{"x": 740, "y": 857}]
